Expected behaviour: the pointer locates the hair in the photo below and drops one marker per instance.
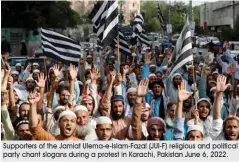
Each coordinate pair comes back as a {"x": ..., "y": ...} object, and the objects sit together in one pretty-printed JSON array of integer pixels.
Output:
[
  {"x": 170, "y": 104},
  {"x": 190, "y": 132},
  {"x": 62, "y": 89},
  {"x": 227, "y": 119},
  {"x": 24, "y": 103}
]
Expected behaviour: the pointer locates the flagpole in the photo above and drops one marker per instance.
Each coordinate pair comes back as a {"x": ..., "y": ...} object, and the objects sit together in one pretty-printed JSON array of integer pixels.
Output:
[{"x": 118, "y": 53}]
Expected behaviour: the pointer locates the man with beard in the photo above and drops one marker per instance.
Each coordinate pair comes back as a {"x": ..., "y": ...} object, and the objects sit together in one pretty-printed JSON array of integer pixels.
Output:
[
  {"x": 85, "y": 127},
  {"x": 23, "y": 131},
  {"x": 64, "y": 97},
  {"x": 66, "y": 123},
  {"x": 170, "y": 116},
  {"x": 104, "y": 129},
  {"x": 229, "y": 128},
  {"x": 15, "y": 76},
  {"x": 35, "y": 74},
  {"x": 131, "y": 97},
  {"x": 156, "y": 128},
  {"x": 158, "y": 100},
  {"x": 114, "y": 108}
]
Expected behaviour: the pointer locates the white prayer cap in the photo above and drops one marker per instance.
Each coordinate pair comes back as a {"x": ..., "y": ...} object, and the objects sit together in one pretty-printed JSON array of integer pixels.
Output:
[
  {"x": 132, "y": 89},
  {"x": 213, "y": 82},
  {"x": 103, "y": 120},
  {"x": 134, "y": 54},
  {"x": 18, "y": 64},
  {"x": 215, "y": 72},
  {"x": 63, "y": 83},
  {"x": 195, "y": 128},
  {"x": 89, "y": 56},
  {"x": 112, "y": 57},
  {"x": 164, "y": 67},
  {"x": 14, "y": 72},
  {"x": 148, "y": 106},
  {"x": 176, "y": 74},
  {"x": 152, "y": 65},
  {"x": 201, "y": 64},
  {"x": 152, "y": 75},
  {"x": 35, "y": 64},
  {"x": 80, "y": 107},
  {"x": 59, "y": 108},
  {"x": 212, "y": 89},
  {"x": 189, "y": 66},
  {"x": 30, "y": 79},
  {"x": 205, "y": 99},
  {"x": 36, "y": 71},
  {"x": 67, "y": 112}
]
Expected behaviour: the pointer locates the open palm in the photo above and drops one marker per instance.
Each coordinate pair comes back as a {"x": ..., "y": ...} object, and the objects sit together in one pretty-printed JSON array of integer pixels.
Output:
[
  {"x": 142, "y": 88},
  {"x": 94, "y": 74},
  {"x": 56, "y": 70},
  {"x": 33, "y": 98},
  {"x": 183, "y": 94},
  {"x": 221, "y": 83},
  {"x": 41, "y": 80},
  {"x": 73, "y": 73}
]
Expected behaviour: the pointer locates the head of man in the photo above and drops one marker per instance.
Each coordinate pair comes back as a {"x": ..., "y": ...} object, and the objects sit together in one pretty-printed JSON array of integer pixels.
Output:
[
  {"x": 131, "y": 95},
  {"x": 211, "y": 84},
  {"x": 67, "y": 123},
  {"x": 89, "y": 59},
  {"x": 210, "y": 78},
  {"x": 157, "y": 88},
  {"x": 177, "y": 79},
  {"x": 57, "y": 111},
  {"x": 231, "y": 128},
  {"x": 30, "y": 84},
  {"x": 64, "y": 96},
  {"x": 59, "y": 63},
  {"x": 213, "y": 66},
  {"x": 104, "y": 128},
  {"x": 187, "y": 104},
  {"x": 195, "y": 133},
  {"x": 18, "y": 67},
  {"x": 15, "y": 76},
  {"x": 145, "y": 113},
  {"x": 35, "y": 66},
  {"x": 88, "y": 102},
  {"x": 117, "y": 107},
  {"x": 23, "y": 131},
  {"x": 152, "y": 68},
  {"x": 152, "y": 78},
  {"x": 35, "y": 74},
  {"x": 24, "y": 109},
  {"x": 159, "y": 75},
  {"x": 204, "y": 107},
  {"x": 190, "y": 79},
  {"x": 156, "y": 128},
  {"x": 171, "y": 109}
]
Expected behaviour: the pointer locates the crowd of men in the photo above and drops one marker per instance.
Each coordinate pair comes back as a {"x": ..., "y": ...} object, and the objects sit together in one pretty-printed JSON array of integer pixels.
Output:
[{"x": 97, "y": 101}]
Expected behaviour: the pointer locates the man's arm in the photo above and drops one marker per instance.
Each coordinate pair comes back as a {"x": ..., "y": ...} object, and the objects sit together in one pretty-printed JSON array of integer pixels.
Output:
[
  {"x": 11, "y": 93},
  {"x": 41, "y": 84}
]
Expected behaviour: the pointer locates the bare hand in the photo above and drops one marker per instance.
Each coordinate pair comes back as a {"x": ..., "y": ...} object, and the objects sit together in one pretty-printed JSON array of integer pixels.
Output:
[
  {"x": 147, "y": 58},
  {"x": 142, "y": 88},
  {"x": 56, "y": 70},
  {"x": 73, "y": 73},
  {"x": 183, "y": 94},
  {"x": 231, "y": 69},
  {"x": 34, "y": 98},
  {"x": 41, "y": 80},
  {"x": 94, "y": 74},
  {"x": 126, "y": 69},
  {"x": 111, "y": 77},
  {"x": 7, "y": 69},
  {"x": 119, "y": 79},
  {"x": 221, "y": 84},
  {"x": 10, "y": 80}
]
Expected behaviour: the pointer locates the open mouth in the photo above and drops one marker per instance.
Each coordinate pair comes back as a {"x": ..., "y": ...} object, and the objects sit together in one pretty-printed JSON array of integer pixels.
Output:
[
  {"x": 232, "y": 136},
  {"x": 68, "y": 130}
]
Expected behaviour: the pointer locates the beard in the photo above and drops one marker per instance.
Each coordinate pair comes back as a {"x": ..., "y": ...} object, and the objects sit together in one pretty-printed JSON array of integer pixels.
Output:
[
  {"x": 82, "y": 131},
  {"x": 116, "y": 116},
  {"x": 175, "y": 85}
]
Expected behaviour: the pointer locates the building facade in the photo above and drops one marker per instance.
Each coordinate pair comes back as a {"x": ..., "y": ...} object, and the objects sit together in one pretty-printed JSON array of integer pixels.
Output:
[
  {"x": 214, "y": 15},
  {"x": 129, "y": 8}
]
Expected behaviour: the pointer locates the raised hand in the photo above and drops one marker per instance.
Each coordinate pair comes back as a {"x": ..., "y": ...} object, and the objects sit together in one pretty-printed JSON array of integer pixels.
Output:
[
  {"x": 221, "y": 84},
  {"x": 126, "y": 69},
  {"x": 7, "y": 69},
  {"x": 33, "y": 98},
  {"x": 41, "y": 80},
  {"x": 147, "y": 58},
  {"x": 231, "y": 69},
  {"x": 73, "y": 72},
  {"x": 94, "y": 74},
  {"x": 29, "y": 67},
  {"x": 10, "y": 81},
  {"x": 111, "y": 77},
  {"x": 183, "y": 94},
  {"x": 195, "y": 115},
  {"x": 142, "y": 88},
  {"x": 56, "y": 70},
  {"x": 206, "y": 59},
  {"x": 119, "y": 78}
]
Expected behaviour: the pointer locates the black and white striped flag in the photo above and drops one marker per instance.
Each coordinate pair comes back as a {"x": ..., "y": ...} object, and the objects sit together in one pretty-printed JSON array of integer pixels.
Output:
[
  {"x": 60, "y": 47},
  {"x": 161, "y": 19},
  {"x": 105, "y": 20},
  {"x": 123, "y": 45},
  {"x": 143, "y": 38},
  {"x": 137, "y": 28},
  {"x": 182, "y": 53}
]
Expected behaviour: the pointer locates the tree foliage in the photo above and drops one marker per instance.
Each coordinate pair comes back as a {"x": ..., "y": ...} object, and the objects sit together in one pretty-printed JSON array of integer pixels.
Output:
[{"x": 34, "y": 14}]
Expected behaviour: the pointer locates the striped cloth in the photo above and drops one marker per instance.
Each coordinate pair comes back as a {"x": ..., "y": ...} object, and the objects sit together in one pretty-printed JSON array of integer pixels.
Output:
[
  {"x": 161, "y": 19},
  {"x": 123, "y": 45},
  {"x": 60, "y": 47},
  {"x": 143, "y": 38},
  {"x": 137, "y": 28},
  {"x": 105, "y": 20},
  {"x": 182, "y": 53}
]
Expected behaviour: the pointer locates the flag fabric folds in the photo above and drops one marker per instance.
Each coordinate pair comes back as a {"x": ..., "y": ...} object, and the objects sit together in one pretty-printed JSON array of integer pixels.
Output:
[
  {"x": 105, "y": 20},
  {"x": 161, "y": 19},
  {"x": 182, "y": 53},
  {"x": 123, "y": 45},
  {"x": 60, "y": 47},
  {"x": 137, "y": 28},
  {"x": 143, "y": 38}
]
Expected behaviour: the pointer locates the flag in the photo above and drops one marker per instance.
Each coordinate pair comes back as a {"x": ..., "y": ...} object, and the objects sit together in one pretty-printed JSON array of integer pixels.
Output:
[
  {"x": 143, "y": 38},
  {"x": 105, "y": 20},
  {"x": 123, "y": 45},
  {"x": 137, "y": 28},
  {"x": 161, "y": 19},
  {"x": 60, "y": 47},
  {"x": 182, "y": 53}
]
